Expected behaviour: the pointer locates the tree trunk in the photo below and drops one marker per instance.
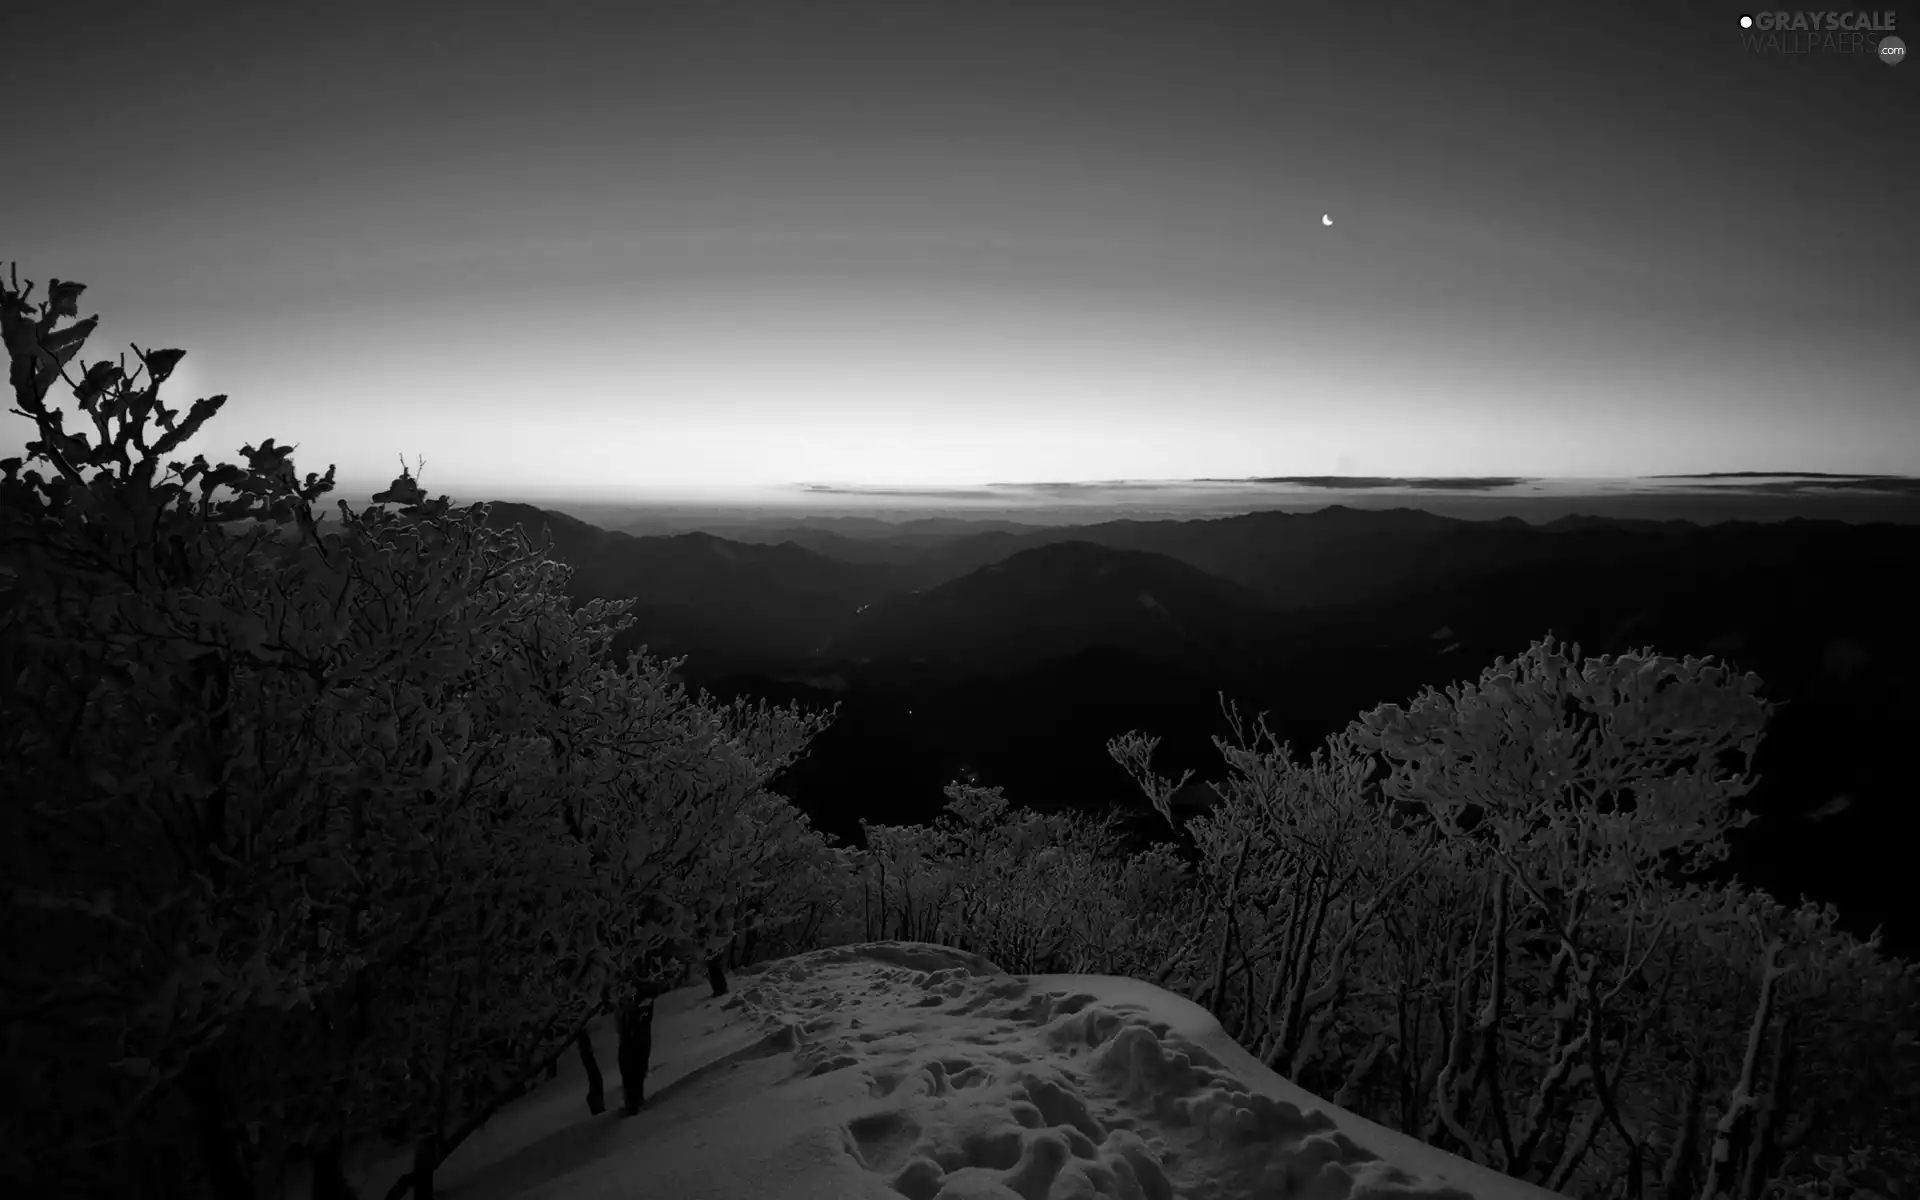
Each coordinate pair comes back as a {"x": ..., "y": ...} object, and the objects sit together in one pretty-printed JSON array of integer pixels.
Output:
[
  {"x": 1287, "y": 958},
  {"x": 1282, "y": 1060},
  {"x": 1766, "y": 1124},
  {"x": 426, "y": 1156},
  {"x": 717, "y": 974},
  {"x": 219, "y": 1145},
  {"x": 1216, "y": 995},
  {"x": 1578, "y": 1142},
  {"x": 1676, "y": 1180},
  {"x": 1490, "y": 1031},
  {"x": 1733, "y": 1125},
  {"x": 329, "y": 1177},
  {"x": 1348, "y": 1097},
  {"x": 635, "y": 1025},
  {"x": 1450, "y": 1093},
  {"x": 596, "y": 1087}
]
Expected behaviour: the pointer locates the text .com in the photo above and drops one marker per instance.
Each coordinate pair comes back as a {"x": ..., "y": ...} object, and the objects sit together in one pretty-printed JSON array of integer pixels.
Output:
[{"x": 1865, "y": 34}]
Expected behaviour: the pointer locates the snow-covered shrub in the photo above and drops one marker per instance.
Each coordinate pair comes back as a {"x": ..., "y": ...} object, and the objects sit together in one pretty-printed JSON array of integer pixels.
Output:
[
  {"x": 1299, "y": 864},
  {"x": 1033, "y": 892},
  {"x": 1542, "y": 988},
  {"x": 1583, "y": 787},
  {"x": 794, "y": 884}
]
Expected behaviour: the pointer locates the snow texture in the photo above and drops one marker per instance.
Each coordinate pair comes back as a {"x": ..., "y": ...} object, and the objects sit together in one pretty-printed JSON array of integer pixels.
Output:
[{"x": 898, "y": 1069}]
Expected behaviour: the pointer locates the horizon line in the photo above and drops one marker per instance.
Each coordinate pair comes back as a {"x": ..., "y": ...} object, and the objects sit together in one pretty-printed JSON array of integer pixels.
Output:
[{"x": 1322, "y": 481}]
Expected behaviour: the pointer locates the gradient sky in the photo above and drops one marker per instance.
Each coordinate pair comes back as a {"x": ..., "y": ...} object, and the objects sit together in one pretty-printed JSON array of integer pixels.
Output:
[{"x": 614, "y": 248}]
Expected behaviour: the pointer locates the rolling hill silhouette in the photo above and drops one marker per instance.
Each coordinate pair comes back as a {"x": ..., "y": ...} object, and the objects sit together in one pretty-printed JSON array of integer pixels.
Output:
[
  {"x": 1294, "y": 561},
  {"x": 1052, "y": 601},
  {"x": 731, "y": 605}
]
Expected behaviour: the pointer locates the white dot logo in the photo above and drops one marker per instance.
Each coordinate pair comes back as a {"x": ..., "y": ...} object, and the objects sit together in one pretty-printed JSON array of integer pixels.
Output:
[
  {"x": 1746, "y": 22},
  {"x": 1892, "y": 51}
]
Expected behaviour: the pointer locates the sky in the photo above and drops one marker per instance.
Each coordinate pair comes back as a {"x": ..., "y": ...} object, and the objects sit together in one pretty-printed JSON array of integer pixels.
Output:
[{"x": 648, "y": 248}]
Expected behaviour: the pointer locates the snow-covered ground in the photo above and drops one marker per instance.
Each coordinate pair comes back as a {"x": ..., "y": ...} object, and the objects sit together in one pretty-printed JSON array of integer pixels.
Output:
[{"x": 899, "y": 1069}]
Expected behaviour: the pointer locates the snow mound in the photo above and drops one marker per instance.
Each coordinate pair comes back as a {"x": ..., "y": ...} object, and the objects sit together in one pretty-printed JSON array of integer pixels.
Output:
[{"x": 898, "y": 1070}]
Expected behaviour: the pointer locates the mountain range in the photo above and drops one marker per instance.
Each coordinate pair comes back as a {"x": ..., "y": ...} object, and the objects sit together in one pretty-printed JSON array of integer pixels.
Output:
[{"x": 1008, "y": 654}]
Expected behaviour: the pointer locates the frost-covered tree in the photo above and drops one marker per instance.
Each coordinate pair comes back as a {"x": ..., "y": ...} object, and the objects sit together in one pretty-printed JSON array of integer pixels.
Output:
[
  {"x": 316, "y": 830},
  {"x": 153, "y": 801},
  {"x": 1301, "y": 864},
  {"x": 793, "y": 884},
  {"x": 1032, "y": 892},
  {"x": 1548, "y": 962},
  {"x": 1586, "y": 786}
]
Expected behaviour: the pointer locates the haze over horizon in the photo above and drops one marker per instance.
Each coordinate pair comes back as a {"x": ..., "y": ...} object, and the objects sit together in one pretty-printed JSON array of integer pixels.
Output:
[{"x": 656, "y": 249}]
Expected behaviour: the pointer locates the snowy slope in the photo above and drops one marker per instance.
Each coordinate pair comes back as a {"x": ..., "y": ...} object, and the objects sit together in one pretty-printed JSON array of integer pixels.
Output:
[{"x": 900, "y": 1069}]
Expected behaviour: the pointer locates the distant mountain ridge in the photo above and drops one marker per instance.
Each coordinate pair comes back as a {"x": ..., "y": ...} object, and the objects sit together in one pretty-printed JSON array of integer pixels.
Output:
[
  {"x": 1011, "y": 655},
  {"x": 1294, "y": 561},
  {"x": 733, "y": 603},
  {"x": 763, "y": 604},
  {"x": 1054, "y": 600}
]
